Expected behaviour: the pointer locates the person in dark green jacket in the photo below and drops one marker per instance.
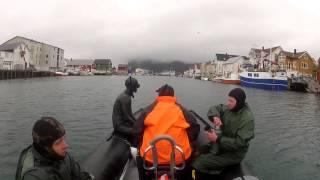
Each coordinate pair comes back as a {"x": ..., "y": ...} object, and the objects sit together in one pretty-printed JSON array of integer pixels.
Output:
[
  {"x": 47, "y": 158},
  {"x": 230, "y": 146}
]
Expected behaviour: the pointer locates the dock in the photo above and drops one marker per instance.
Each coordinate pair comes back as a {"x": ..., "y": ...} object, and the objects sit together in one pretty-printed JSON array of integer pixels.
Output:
[{"x": 23, "y": 74}]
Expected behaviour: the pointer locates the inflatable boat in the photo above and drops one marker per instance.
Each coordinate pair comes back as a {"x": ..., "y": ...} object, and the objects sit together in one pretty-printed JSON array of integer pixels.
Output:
[{"x": 114, "y": 160}]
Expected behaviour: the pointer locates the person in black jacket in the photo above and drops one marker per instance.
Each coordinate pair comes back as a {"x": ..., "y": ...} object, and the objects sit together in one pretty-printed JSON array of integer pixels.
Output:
[{"x": 122, "y": 117}]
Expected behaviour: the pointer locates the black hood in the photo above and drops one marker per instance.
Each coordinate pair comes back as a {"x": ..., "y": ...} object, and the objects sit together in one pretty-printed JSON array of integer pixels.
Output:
[
  {"x": 132, "y": 85},
  {"x": 240, "y": 97},
  {"x": 45, "y": 132}
]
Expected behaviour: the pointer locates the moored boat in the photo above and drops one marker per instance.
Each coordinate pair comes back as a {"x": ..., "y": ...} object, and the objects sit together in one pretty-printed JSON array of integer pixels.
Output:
[
  {"x": 264, "y": 80},
  {"x": 60, "y": 73},
  {"x": 232, "y": 79}
]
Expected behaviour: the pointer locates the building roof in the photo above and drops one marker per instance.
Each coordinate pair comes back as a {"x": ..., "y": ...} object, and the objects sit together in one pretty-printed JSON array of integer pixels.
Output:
[
  {"x": 9, "y": 47},
  {"x": 123, "y": 65},
  {"x": 79, "y": 62},
  {"x": 293, "y": 55},
  {"x": 102, "y": 61},
  {"x": 224, "y": 57},
  {"x": 265, "y": 50},
  {"x": 30, "y": 40},
  {"x": 236, "y": 59}
]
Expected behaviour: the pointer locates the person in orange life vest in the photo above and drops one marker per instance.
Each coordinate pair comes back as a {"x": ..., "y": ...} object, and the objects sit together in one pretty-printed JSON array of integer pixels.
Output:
[{"x": 166, "y": 116}]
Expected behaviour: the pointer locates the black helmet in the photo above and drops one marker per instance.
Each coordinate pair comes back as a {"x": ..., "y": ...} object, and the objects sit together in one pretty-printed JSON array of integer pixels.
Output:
[{"x": 132, "y": 84}]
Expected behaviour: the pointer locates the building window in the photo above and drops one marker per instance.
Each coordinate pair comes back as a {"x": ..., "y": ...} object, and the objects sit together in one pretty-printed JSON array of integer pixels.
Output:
[
  {"x": 304, "y": 65},
  {"x": 281, "y": 66},
  {"x": 256, "y": 75},
  {"x": 47, "y": 56}
]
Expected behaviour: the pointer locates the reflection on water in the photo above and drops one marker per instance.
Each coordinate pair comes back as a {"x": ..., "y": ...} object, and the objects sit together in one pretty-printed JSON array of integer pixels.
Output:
[{"x": 286, "y": 145}]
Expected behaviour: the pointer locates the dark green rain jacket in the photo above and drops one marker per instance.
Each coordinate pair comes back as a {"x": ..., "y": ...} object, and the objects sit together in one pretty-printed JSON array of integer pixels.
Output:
[
  {"x": 233, "y": 143},
  {"x": 33, "y": 166}
]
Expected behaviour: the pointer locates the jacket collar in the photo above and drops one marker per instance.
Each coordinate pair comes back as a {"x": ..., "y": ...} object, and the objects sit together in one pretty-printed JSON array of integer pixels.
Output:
[
  {"x": 246, "y": 106},
  {"x": 167, "y": 99},
  {"x": 41, "y": 159}
]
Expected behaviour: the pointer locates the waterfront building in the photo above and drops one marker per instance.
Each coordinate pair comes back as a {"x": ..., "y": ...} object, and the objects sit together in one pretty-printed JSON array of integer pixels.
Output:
[
  {"x": 102, "y": 66},
  {"x": 14, "y": 56},
  {"x": 123, "y": 69},
  {"x": 79, "y": 65},
  {"x": 232, "y": 67},
  {"x": 43, "y": 57},
  {"x": 296, "y": 64},
  {"x": 218, "y": 60}
]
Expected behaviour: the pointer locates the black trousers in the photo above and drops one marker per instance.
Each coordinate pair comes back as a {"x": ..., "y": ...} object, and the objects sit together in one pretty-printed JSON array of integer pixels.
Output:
[{"x": 204, "y": 176}]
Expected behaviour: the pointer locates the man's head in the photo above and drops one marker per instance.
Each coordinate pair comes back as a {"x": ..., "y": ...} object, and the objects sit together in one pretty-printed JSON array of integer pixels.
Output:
[
  {"x": 165, "y": 90},
  {"x": 132, "y": 84},
  {"x": 236, "y": 99},
  {"x": 49, "y": 138}
]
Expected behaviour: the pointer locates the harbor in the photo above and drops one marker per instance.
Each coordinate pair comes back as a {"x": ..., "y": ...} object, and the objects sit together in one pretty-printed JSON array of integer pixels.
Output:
[
  {"x": 164, "y": 90},
  {"x": 286, "y": 134},
  {"x": 271, "y": 68},
  {"x": 21, "y": 74}
]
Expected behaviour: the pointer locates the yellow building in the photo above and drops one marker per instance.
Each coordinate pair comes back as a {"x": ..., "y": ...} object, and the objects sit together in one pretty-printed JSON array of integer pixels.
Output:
[{"x": 296, "y": 63}]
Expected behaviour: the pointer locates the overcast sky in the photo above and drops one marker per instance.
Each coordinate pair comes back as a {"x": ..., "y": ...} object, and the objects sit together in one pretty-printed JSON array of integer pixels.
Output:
[{"x": 190, "y": 30}]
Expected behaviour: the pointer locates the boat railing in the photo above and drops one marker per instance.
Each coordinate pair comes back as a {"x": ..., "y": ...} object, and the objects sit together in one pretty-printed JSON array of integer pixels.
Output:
[{"x": 172, "y": 163}]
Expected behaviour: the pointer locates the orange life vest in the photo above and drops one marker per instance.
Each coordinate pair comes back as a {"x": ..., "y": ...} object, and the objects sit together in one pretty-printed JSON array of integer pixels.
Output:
[{"x": 166, "y": 118}]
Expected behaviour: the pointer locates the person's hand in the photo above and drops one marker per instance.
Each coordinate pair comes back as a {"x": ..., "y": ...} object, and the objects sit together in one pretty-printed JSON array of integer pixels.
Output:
[
  {"x": 217, "y": 121},
  {"x": 212, "y": 136}
]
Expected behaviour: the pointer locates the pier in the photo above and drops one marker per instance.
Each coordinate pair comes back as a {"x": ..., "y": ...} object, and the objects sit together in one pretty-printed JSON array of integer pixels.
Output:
[{"x": 23, "y": 74}]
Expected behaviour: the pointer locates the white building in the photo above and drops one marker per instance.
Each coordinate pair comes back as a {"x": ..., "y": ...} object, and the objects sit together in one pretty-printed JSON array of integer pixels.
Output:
[
  {"x": 193, "y": 72},
  {"x": 233, "y": 66},
  {"x": 14, "y": 56},
  {"x": 218, "y": 60},
  {"x": 262, "y": 59},
  {"x": 43, "y": 57},
  {"x": 208, "y": 69},
  {"x": 1, "y": 62}
]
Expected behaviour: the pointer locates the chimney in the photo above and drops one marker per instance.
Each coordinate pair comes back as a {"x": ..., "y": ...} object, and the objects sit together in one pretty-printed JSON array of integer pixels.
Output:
[
  {"x": 263, "y": 48},
  {"x": 294, "y": 51}
]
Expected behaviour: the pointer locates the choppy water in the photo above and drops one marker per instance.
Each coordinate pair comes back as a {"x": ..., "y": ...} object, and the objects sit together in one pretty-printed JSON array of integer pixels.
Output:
[{"x": 286, "y": 146}]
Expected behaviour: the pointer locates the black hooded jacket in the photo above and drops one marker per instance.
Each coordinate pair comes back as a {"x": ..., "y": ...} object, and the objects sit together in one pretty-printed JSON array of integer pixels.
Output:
[{"x": 122, "y": 117}]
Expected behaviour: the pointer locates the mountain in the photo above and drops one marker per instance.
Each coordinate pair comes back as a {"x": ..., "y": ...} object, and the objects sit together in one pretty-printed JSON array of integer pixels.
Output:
[{"x": 159, "y": 66}]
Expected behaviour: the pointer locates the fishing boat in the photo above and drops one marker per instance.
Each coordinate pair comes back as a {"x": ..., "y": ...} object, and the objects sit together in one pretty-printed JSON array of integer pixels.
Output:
[
  {"x": 275, "y": 80},
  {"x": 115, "y": 160}
]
